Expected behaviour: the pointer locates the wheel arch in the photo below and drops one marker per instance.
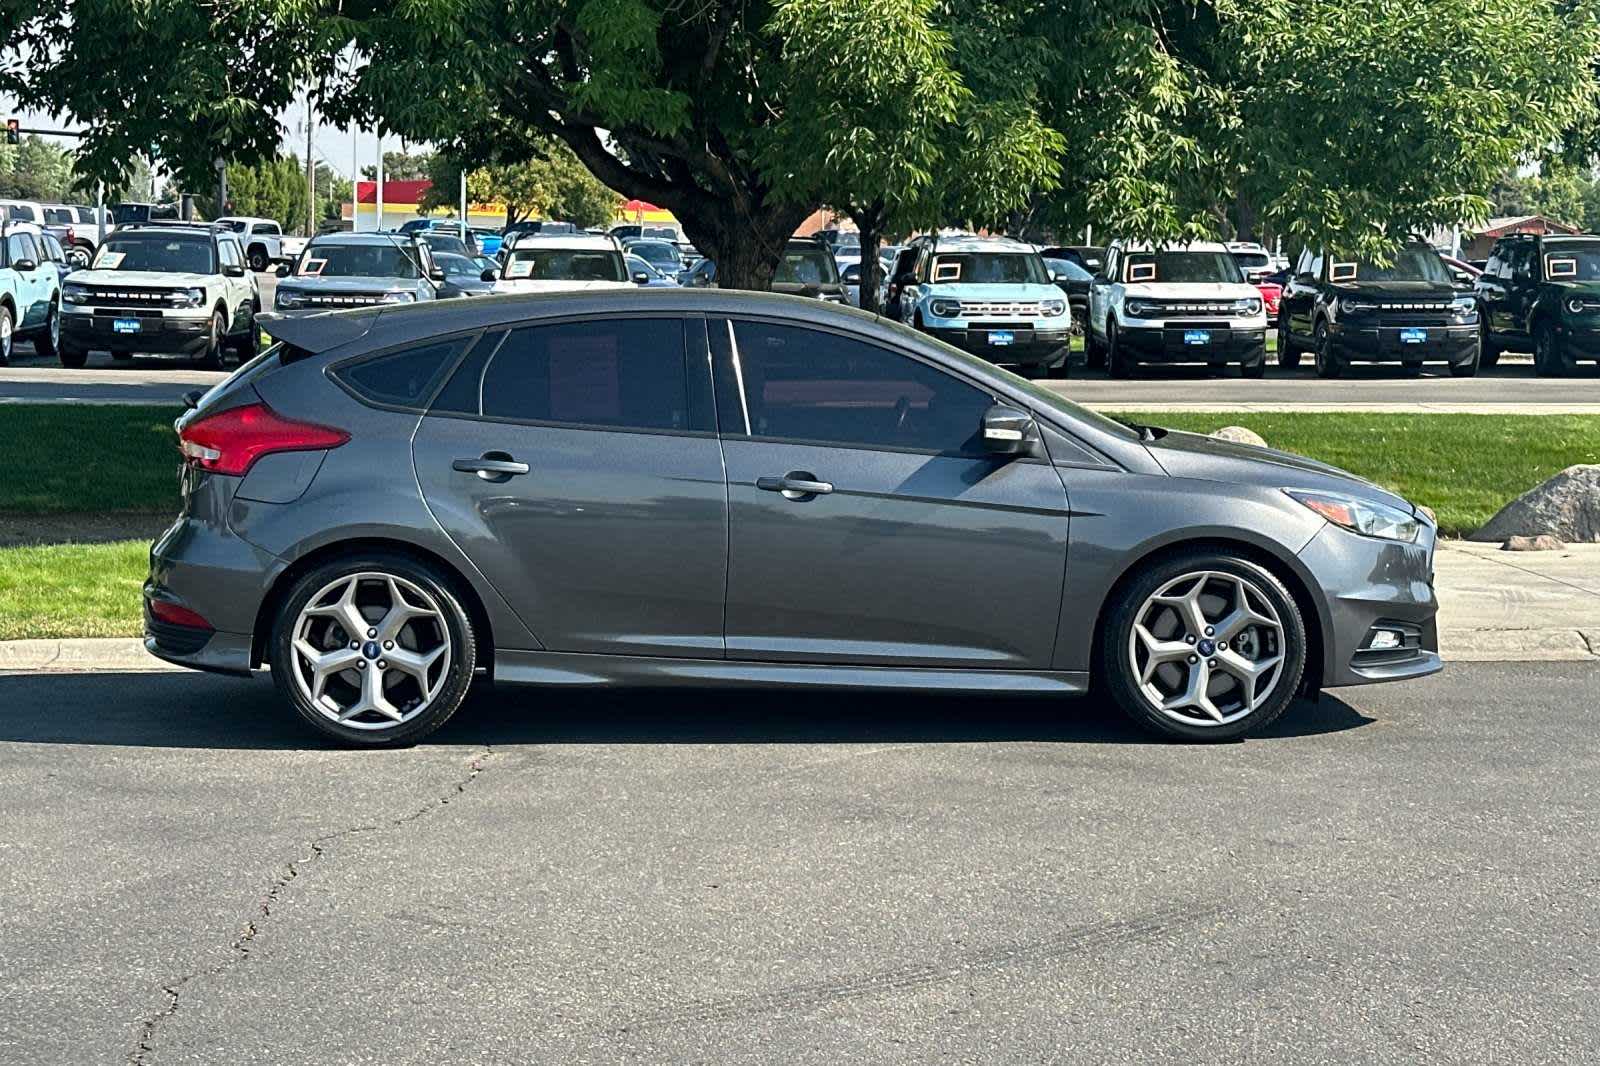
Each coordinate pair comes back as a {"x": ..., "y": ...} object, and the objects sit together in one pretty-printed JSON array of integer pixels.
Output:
[
  {"x": 267, "y": 612},
  {"x": 1280, "y": 564}
]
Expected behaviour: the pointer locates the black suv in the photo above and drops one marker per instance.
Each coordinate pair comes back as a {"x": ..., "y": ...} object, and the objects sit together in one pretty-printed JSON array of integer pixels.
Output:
[
  {"x": 1408, "y": 312},
  {"x": 1542, "y": 293}
]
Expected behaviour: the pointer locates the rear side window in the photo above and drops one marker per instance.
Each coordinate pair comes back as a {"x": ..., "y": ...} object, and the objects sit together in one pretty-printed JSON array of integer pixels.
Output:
[
  {"x": 404, "y": 378},
  {"x": 626, "y": 373}
]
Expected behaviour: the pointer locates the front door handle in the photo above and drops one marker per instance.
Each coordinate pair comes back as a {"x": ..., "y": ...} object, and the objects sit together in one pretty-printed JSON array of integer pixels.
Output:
[
  {"x": 491, "y": 466},
  {"x": 795, "y": 485}
]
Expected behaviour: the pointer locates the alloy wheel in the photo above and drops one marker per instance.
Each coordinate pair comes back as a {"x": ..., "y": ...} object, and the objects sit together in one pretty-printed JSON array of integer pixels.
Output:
[
  {"x": 371, "y": 650},
  {"x": 1206, "y": 648},
  {"x": 5, "y": 336}
]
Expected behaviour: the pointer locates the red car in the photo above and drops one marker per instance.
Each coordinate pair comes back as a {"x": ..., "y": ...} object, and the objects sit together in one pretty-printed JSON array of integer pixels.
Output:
[{"x": 1271, "y": 292}]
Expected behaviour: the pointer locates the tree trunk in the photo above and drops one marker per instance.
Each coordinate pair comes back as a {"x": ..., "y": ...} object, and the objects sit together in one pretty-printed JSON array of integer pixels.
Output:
[
  {"x": 869, "y": 220},
  {"x": 746, "y": 246}
]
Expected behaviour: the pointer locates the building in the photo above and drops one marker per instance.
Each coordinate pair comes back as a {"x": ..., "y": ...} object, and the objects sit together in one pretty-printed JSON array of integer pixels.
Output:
[{"x": 1476, "y": 244}]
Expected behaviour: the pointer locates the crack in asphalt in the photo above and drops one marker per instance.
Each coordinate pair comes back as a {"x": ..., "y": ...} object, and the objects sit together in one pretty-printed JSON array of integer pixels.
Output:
[{"x": 239, "y": 950}]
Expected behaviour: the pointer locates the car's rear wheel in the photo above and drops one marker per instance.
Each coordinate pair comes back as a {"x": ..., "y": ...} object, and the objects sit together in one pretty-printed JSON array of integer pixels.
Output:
[
  {"x": 47, "y": 342},
  {"x": 1329, "y": 362},
  {"x": 373, "y": 651},
  {"x": 1204, "y": 646},
  {"x": 8, "y": 334},
  {"x": 1116, "y": 363}
]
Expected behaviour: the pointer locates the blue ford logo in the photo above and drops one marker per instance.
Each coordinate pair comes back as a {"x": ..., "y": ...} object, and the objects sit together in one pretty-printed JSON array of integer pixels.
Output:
[
  {"x": 370, "y": 649},
  {"x": 1207, "y": 647}
]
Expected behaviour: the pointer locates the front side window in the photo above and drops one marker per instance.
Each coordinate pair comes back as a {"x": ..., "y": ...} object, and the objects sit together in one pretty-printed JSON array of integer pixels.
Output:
[
  {"x": 1183, "y": 267},
  {"x": 157, "y": 252},
  {"x": 565, "y": 264},
  {"x": 58, "y": 216},
  {"x": 806, "y": 266},
  {"x": 19, "y": 246},
  {"x": 624, "y": 373},
  {"x": 799, "y": 384},
  {"x": 229, "y": 251},
  {"x": 52, "y": 248},
  {"x": 358, "y": 261}
]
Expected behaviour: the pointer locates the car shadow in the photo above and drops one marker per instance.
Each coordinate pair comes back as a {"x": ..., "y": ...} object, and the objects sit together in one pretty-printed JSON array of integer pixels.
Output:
[{"x": 169, "y": 710}]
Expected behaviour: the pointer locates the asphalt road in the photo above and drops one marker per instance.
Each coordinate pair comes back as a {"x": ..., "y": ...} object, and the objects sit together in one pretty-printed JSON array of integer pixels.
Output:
[{"x": 1397, "y": 874}]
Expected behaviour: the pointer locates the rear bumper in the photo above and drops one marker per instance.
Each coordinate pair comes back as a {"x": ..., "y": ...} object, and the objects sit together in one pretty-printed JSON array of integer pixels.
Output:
[
  {"x": 1383, "y": 344},
  {"x": 1027, "y": 347},
  {"x": 157, "y": 333},
  {"x": 1169, "y": 343},
  {"x": 198, "y": 565}
]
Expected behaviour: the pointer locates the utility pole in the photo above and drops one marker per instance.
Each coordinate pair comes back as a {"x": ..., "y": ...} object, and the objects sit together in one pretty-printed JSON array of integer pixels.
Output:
[
  {"x": 311, "y": 171},
  {"x": 463, "y": 204},
  {"x": 355, "y": 176},
  {"x": 378, "y": 225}
]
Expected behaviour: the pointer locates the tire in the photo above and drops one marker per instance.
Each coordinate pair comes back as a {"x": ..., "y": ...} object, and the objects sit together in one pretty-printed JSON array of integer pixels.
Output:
[
  {"x": 1329, "y": 364},
  {"x": 1288, "y": 354},
  {"x": 344, "y": 706},
  {"x": 1137, "y": 671},
  {"x": 1062, "y": 369},
  {"x": 8, "y": 334},
  {"x": 211, "y": 358},
  {"x": 1255, "y": 368},
  {"x": 47, "y": 342},
  {"x": 1550, "y": 357},
  {"x": 1116, "y": 363},
  {"x": 246, "y": 347},
  {"x": 258, "y": 258},
  {"x": 1094, "y": 356},
  {"x": 1469, "y": 368},
  {"x": 1488, "y": 350},
  {"x": 1033, "y": 372}
]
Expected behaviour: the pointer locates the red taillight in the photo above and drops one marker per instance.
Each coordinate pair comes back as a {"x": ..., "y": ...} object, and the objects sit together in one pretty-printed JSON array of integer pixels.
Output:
[
  {"x": 231, "y": 441},
  {"x": 172, "y": 613}
]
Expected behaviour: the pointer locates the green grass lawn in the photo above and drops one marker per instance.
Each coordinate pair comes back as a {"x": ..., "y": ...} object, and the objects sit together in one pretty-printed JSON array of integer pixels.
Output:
[
  {"x": 1466, "y": 467},
  {"x": 72, "y": 590},
  {"x": 73, "y": 457}
]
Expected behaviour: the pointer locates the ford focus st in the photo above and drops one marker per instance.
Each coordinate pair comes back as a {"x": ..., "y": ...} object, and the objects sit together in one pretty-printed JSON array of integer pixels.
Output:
[{"x": 687, "y": 487}]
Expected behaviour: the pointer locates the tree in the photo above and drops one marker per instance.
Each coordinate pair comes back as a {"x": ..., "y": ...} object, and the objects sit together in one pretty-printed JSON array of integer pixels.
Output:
[
  {"x": 275, "y": 189},
  {"x": 552, "y": 183},
  {"x": 36, "y": 169},
  {"x": 401, "y": 166}
]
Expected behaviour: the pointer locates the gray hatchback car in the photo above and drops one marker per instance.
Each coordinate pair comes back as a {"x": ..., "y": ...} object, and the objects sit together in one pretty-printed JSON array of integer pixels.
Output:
[{"x": 690, "y": 487}]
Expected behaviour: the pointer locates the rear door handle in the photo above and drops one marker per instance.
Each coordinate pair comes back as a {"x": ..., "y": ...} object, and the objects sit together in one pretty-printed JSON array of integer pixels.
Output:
[
  {"x": 795, "y": 485},
  {"x": 491, "y": 466}
]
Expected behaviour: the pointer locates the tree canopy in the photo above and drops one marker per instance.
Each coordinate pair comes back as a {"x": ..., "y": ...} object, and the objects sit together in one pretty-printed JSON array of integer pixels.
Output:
[{"x": 551, "y": 184}]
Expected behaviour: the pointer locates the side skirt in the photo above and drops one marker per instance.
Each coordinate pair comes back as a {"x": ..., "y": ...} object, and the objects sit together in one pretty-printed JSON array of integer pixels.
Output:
[{"x": 595, "y": 671}]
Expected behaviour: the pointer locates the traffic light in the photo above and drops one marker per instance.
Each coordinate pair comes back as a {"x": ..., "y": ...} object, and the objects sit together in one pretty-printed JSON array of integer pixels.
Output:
[{"x": 13, "y": 131}]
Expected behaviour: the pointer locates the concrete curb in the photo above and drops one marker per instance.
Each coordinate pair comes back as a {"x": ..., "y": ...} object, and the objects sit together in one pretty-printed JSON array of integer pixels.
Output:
[{"x": 99, "y": 654}]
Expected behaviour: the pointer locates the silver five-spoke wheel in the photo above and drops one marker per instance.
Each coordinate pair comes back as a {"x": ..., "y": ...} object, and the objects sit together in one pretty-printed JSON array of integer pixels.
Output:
[
  {"x": 371, "y": 650},
  {"x": 1206, "y": 648}
]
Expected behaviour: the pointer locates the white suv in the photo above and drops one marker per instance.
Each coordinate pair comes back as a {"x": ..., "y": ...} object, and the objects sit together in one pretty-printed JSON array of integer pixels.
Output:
[
  {"x": 169, "y": 287},
  {"x": 1186, "y": 303},
  {"x": 264, "y": 241},
  {"x": 562, "y": 262},
  {"x": 991, "y": 296}
]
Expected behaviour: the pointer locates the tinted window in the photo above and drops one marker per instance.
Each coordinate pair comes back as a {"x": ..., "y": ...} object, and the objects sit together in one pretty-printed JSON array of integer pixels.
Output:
[
  {"x": 1181, "y": 266},
  {"x": 59, "y": 216},
  {"x": 628, "y": 373},
  {"x": 365, "y": 260},
  {"x": 52, "y": 248},
  {"x": 19, "y": 246},
  {"x": 85, "y": 214},
  {"x": 153, "y": 251},
  {"x": 1573, "y": 260},
  {"x": 806, "y": 266},
  {"x": 405, "y": 378},
  {"x": 565, "y": 264},
  {"x": 804, "y": 384}
]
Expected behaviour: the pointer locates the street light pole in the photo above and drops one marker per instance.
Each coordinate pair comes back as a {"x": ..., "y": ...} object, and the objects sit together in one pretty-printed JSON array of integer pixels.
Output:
[
  {"x": 463, "y": 204},
  {"x": 311, "y": 173},
  {"x": 378, "y": 225},
  {"x": 355, "y": 176}
]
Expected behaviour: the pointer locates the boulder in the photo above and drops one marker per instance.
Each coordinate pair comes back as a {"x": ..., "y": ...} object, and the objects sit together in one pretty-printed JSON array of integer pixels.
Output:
[
  {"x": 1240, "y": 435},
  {"x": 1544, "y": 542},
  {"x": 1566, "y": 507}
]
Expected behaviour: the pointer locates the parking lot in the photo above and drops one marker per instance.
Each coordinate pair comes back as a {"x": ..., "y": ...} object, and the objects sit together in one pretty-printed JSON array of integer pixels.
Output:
[{"x": 1394, "y": 874}]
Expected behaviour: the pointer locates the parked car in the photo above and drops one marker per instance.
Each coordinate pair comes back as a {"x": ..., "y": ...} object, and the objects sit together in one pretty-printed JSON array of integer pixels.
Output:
[
  {"x": 1186, "y": 303},
  {"x": 1254, "y": 261},
  {"x": 630, "y": 230},
  {"x": 1461, "y": 271},
  {"x": 850, "y": 277},
  {"x": 489, "y": 482},
  {"x": 265, "y": 243},
  {"x": 448, "y": 241},
  {"x": 464, "y": 276},
  {"x": 1073, "y": 280},
  {"x": 30, "y": 291},
  {"x": 663, "y": 255},
  {"x": 1088, "y": 256},
  {"x": 489, "y": 240},
  {"x": 359, "y": 270},
  {"x": 1408, "y": 311},
  {"x": 807, "y": 269},
  {"x": 60, "y": 260},
  {"x": 533, "y": 226},
  {"x": 23, "y": 211},
  {"x": 563, "y": 263},
  {"x": 165, "y": 287},
  {"x": 645, "y": 274},
  {"x": 1542, "y": 294},
  {"x": 62, "y": 221}
]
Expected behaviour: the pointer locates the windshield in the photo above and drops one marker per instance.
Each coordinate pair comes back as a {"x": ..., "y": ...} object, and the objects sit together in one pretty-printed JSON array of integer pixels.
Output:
[
  {"x": 848, "y": 240},
  {"x": 442, "y": 242},
  {"x": 233, "y": 224},
  {"x": 165, "y": 254},
  {"x": 457, "y": 266},
  {"x": 1410, "y": 264},
  {"x": 989, "y": 268},
  {"x": 565, "y": 264},
  {"x": 655, "y": 251},
  {"x": 1253, "y": 260},
  {"x": 1193, "y": 267},
  {"x": 640, "y": 266},
  {"x": 1584, "y": 258},
  {"x": 357, "y": 261},
  {"x": 1072, "y": 270},
  {"x": 806, "y": 266}
]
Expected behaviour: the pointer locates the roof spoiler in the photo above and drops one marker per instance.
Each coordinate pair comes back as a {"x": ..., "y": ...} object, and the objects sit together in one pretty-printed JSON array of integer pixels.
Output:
[{"x": 317, "y": 331}]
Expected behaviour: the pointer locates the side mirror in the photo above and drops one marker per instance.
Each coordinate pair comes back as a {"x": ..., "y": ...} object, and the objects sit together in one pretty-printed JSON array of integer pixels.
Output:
[
  {"x": 282, "y": 271},
  {"x": 233, "y": 270},
  {"x": 641, "y": 278},
  {"x": 26, "y": 266},
  {"x": 436, "y": 274},
  {"x": 488, "y": 275},
  {"x": 1058, "y": 277},
  {"x": 1008, "y": 430}
]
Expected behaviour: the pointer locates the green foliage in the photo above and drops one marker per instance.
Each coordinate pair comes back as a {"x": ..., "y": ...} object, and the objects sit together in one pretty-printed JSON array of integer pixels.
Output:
[
  {"x": 275, "y": 189},
  {"x": 551, "y": 183},
  {"x": 401, "y": 166},
  {"x": 36, "y": 169}
]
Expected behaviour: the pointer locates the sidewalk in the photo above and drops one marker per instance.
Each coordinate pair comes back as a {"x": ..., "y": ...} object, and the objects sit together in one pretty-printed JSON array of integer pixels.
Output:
[{"x": 1495, "y": 606}]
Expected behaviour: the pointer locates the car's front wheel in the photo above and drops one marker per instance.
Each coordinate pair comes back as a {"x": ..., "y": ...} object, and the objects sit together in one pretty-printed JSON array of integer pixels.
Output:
[
  {"x": 48, "y": 341},
  {"x": 1330, "y": 364},
  {"x": 1117, "y": 364},
  {"x": 1204, "y": 646},
  {"x": 1550, "y": 355},
  {"x": 374, "y": 650},
  {"x": 1288, "y": 354},
  {"x": 8, "y": 334}
]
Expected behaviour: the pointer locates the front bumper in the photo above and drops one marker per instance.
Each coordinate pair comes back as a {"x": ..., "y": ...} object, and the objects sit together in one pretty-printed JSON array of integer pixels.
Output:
[
  {"x": 1383, "y": 344},
  {"x": 1028, "y": 346},
  {"x": 159, "y": 331},
  {"x": 1582, "y": 341},
  {"x": 1181, "y": 342},
  {"x": 1368, "y": 584}
]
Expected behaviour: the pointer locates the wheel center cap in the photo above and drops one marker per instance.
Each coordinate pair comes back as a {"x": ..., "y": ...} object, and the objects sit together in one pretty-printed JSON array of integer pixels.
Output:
[
  {"x": 1206, "y": 647},
  {"x": 370, "y": 649}
]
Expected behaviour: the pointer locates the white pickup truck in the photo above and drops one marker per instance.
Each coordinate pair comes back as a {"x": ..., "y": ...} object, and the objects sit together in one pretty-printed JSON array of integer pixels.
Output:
[{"x": 265, "y": 243}]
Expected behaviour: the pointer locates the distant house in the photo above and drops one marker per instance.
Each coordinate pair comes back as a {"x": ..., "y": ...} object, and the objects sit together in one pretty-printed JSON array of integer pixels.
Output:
[{"x": 1477, "y": 243}]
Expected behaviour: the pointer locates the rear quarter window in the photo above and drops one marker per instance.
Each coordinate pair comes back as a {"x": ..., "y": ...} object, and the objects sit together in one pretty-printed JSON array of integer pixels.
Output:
[{"x": 405, "y": 378}]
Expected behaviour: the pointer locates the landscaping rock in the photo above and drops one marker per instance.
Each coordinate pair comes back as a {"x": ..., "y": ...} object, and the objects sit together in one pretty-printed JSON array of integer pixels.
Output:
[
  {"x": 1240, "y": 435},
  {"x": 1566, "y": 507},
  {"x": 1544, "y": 542}
]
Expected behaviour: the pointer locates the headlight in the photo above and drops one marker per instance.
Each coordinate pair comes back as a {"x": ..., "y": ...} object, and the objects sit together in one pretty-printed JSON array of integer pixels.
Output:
[
  {"x": 1361, "y": 516},
  {"x": 1053, "y": 308},
  {"x": 288, "y": 300},
  {"x": 188, "y": 298},
  {"x": 1247, "y": 308},
  {"x": 1142, "y": 309},
  {"x": 398, "y": 297},
  {"x": 945, "y": 308},
  {"x": 74, "y": 294},
  {"x": 1464, "y": 305},
  {"x": 1579, "y": 305},
  {"x": 1351, "y": 303}
]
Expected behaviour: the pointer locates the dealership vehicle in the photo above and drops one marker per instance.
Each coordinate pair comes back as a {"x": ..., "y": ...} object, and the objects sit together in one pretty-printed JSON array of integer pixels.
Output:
[
  {"x": 1254, "y": 260},
  {"x": 358, "y": 270},
  {"x": 173, "y": 288},
  {"x": 78, "y": 239},
  {"x": 440, "y": 240},
  {"x": 645, "y": 274},
  {"x": 563, "y": 262},
  {"x": 1073, "y": 280},
  {"x": 990, "y": 296},
  {"x": 1542, "y": 294},
  {"x": 23, "y": 211},
  {"x": 57, "y": 257},
  {"x": 417, "y": 494},
  {"x": 464, "y": 276},
  {"x": 1090, "y": 257},
  {"x": 30, "y": 291},
  {"x": 536, "y": 226},
  {"x": 807, "y": 269},
  {"x": 265, "y": 243},
  {"x": 489, "y": 240},
  {"x": 1185, "y": 303},
  {"x": 629, "y": 230},
  {"x": 1408, "y": 311},
  {"x": 663, "y": 255}
]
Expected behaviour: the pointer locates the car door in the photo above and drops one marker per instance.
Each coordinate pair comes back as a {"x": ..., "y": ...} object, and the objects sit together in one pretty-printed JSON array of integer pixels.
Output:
[
  {"x": 1527, "y": 271},
  {"x": 33, "y": 285},
  {"x": 904, "y": 264},
  {"x": 866, "y": 526},
  {"x": 576, "y": 464},
  {"x": 1299, "y": 293},
  {"x": 1490, "y": 288}
]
